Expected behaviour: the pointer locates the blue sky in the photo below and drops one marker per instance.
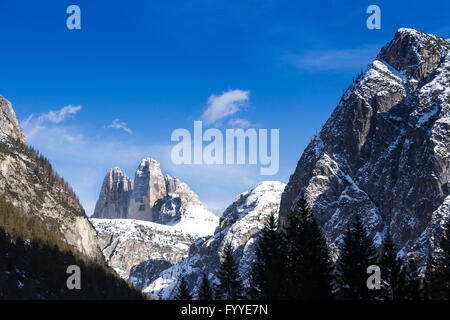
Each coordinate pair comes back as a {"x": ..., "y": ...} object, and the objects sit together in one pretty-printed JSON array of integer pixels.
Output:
[{"x": 137, "y": 70}]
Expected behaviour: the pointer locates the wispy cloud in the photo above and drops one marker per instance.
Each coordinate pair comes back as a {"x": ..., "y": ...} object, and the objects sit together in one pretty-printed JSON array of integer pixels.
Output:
[
  {"x": 240, "y": 123},
  {"x": 60, "y": 115},
  {"x": 33, "y": 124},
  {"x": 333, "y": 59},
  {"x": 117, "y": 124},
  {"x": 224, "y": 105}
]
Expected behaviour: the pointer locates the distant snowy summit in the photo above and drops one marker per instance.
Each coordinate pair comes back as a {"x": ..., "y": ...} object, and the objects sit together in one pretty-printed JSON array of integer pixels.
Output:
[
  {"x": 147, "y": 225},
  {"x": 154, "y": 256},
  {"x": 153, "y": 197},
  {"x": 240, "y": 226}
]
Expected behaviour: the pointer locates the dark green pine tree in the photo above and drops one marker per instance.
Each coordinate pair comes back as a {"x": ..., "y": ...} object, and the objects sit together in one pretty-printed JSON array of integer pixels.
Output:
[
  {"x": 411, "y": 288},
  {"x": 390, "y": 270},
  {"x": 438, "y": 268},
  {"x": 183, "y": 291},
  {"x": 309, "y": 264},
  {"x": 230, "y": 284},
  {"x": 431, "y": 288},
  {"x": 357, "y": 253},
  {"x": 205, "y": 291},
  {"x": 268, "y": 274},
  {"x": 443, "y": 262}
]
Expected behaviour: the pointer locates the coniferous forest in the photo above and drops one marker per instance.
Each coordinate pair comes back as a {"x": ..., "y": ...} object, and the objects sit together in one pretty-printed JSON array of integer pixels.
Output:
[
  {"x": 297, "y": 265},
  {"x": 34, "y": 261}
]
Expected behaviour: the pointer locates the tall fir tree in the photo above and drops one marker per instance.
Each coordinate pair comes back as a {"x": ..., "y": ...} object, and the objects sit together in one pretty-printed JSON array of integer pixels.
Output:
[
  {"x": 392, "y": 274},
  {"x": 443, "y": 262},
  {"x": 183, "y": 291},
  {"x": 437, "y": 279},
  {"x": 357, "y": 253},
  {"x": 205, "y": 291},
  {"x": 431, "y": 288},
  {"x": 309, "y": 264},
  {"x": 230, "y": 284},
  {"x": 268, "y": 274},
  {"x": 411, "y": 277}
]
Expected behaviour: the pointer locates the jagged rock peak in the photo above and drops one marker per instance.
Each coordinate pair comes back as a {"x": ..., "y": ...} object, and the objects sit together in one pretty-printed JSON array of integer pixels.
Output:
[
  {"x": 151, "y": 197},
  {"x": 384, "y": 152},
  {"x": 149, "y": 165},
  {"x": 113, "y": 200},
  {"x": 116, "y": 175},
  {"x": 414, "y": 53},
  {"x": 8, "y": 121}
]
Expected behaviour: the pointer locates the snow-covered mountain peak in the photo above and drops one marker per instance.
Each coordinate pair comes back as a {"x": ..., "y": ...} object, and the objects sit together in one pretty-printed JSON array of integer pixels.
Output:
[
  {"x": 148, "y": 166},
  {"x": 414, "y": 53},
  {"x": 240, "y": 226},
  {"x": 384, "y": 152},
  {"x": 153, "y": 197},
  {"x": 265, "y": 196}
]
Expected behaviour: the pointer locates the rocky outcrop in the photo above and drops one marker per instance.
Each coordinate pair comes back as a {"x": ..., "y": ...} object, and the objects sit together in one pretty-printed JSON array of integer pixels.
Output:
[
  {"x": 29, "y": 183},
  {"x": 8, "y": 121},
  {"x": 239, "y": 225},
  {"x": 148, "y": 224},
  {"x": 114, "y": 195},
  {"x": 139, "y": 250},
  {"x": 149, "y": 186},
  {"x": 384, "y": 152},
  {"x": 152, "y": 197}
]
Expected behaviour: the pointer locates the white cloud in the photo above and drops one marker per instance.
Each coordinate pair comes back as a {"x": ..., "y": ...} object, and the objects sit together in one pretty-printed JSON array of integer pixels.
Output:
[
  {"x": 117, "y": 124},
  {"x": 33, "y": 125},
  {"x": 83, "y": 157},
  {"x": 240, "y": 123},
  {"x": 334, "y": 59},
  {"x": 224, "y": 105},
  {"x": 60, "y": 115}
]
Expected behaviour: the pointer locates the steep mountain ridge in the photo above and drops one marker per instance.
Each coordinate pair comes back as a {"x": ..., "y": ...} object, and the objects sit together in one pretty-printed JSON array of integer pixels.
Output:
[
  {"x": 28, "y": 181},
  {"x": 384, "y": 152},
  {"x": 240, "y": 225}
]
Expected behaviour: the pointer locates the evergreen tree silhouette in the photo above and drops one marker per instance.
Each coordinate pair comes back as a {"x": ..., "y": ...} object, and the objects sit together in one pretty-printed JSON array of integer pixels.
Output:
[
  {"x": 309, "y": 263},
  {"x": 392, "y": 273},
  {"x": 437, "y": 279},
  {"x": 443, "y": 262},
  {"x": 230, "y": 284},
  {"x": 268, "y": 274},
  {"x": 205, "y": 291},
  {"x": 183, "y": 291},
  {"x": 357, "y": 253},
  {"x": 411, "y": 288}
]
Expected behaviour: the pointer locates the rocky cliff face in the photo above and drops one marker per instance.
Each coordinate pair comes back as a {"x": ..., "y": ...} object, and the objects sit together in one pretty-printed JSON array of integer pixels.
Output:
[
  {"x": 139, "y": 250},
  {"x": 384, "y": 152},
  {"x": 152, "y": 197},
  {"x": 8, "y": 121},
  {"x": 113, "y": 200},
  {"x": 239, "y": 225},
  {"x": 29, "y": 183}
]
